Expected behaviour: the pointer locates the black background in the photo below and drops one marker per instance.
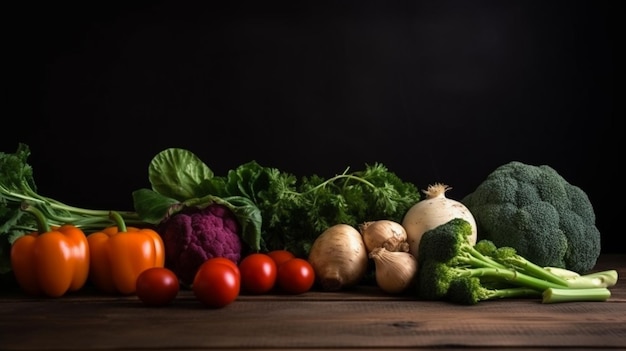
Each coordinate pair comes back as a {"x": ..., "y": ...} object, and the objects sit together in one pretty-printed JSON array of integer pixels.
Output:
[{"x": 438, "y": 91}]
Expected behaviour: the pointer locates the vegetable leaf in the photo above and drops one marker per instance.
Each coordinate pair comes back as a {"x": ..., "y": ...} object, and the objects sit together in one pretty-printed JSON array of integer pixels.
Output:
[
  {"x": 153, "y": 207},
  {"x": 179, "y": 174}
]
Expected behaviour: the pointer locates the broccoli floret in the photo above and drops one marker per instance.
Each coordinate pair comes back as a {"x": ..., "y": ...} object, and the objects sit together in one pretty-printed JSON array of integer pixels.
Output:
[
  {"x": 447, "y": 260},
  {"x": 536, "y": 211},
  {"x": 450, "y": 243},
  {"x": 192, "y": 236},
  {"x": 486, "y": 247},
  {"x": 470, "y": 291}
]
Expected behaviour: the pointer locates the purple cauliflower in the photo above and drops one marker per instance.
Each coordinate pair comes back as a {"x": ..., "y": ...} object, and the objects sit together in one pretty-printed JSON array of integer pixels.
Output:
[{"x": 191, "y": 237}]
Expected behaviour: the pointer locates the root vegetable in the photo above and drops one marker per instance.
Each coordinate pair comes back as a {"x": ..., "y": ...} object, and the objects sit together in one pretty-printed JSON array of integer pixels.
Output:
[
  {"x": 384, "y": 233},
  {"x": 339, "y": 257},
  {"x": 433, "y": 211},
  {"x": 395, "y": 270}
]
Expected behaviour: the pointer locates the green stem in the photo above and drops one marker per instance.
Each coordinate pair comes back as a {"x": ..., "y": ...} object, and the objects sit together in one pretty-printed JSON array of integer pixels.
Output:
[
  {"x": 487, "y": 261},
  {"x": 508, "y": 256},
  {"x": 58, "y": 213},
  {"x": 513, "y": 292},
  {"x": 337, "y": 177},
  {"x": 512, "y": 277},
  {"x": 602, "y": 279},
  {"x": 119, "y": 221},
  {"x": 556, "y": 295},
  {"x": 42, "y": 223},
  {"x": 539, "y": 272},
  {"x": 43, "y": 201},
  {"x": 562, "y": 272}
]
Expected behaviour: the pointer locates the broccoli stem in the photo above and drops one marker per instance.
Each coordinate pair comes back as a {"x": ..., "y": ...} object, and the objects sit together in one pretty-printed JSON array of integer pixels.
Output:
[
  {"x": 509, "y": 276},
  {"x": 477, "y": 259},
  {"x": 470, "y": 291},
  {"x": 604, "y": 279},
  {"x": 508, "y": 256},
  {"x": 557, "y": 295},
  {"x": 512, "y": 292},
  {"x": 562, "y": 272}
]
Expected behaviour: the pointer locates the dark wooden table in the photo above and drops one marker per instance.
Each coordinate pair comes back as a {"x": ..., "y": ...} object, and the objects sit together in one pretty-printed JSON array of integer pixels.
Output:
[{"x": 363, "y": 319}]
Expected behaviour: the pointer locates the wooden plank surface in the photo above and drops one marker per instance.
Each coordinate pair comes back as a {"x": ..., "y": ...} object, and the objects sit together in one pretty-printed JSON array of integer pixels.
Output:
[{"x": 360, "y": 319}]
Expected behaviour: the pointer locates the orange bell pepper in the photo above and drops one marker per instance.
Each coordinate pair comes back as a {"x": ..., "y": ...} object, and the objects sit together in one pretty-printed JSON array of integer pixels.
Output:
[
  {"x": 53, "y": 260},
  {"x": 119, "y": 254}
]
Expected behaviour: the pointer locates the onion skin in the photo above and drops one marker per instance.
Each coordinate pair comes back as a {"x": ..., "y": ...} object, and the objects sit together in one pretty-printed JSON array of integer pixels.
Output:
[
  {"x": 395, "y": 270},
  {"x": 384, "y": 233},
  {"x": 338, "y": 257},
  {"x": 435, "y": 210}
]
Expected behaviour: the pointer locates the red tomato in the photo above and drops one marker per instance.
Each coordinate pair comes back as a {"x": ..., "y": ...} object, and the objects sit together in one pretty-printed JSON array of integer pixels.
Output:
[
  {"x": 258, "y": 273},
  {"x": 295, "y": 276},
  {"x": 216, "y": 284},
  {"x": 228, "y": 262},
  {"x": 280, "y": 256},
  {"x": 157, "y": 286}
]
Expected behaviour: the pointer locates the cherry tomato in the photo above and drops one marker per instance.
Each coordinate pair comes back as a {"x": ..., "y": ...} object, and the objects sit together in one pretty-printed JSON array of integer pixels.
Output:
[
  {"x": 228, "y": 262},
  {"x": 258, "y": 273},
  {"x": 157, "y": 286},
  {"x": 216, "y": 284},
  {"x": 295, "y": 276},
  {"x": 280, "y": 256}
]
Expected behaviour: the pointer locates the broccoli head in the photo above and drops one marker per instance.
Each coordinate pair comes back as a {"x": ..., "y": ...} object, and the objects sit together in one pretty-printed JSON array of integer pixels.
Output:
[
  {"x": 192, "y": 236},
  {"x": 536, "y": 211}
]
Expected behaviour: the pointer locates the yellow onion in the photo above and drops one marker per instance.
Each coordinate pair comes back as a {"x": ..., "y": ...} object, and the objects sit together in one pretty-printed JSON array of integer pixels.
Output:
[
  {"x": 395, "y": 270},
  {"x": 384, "y": 233}
]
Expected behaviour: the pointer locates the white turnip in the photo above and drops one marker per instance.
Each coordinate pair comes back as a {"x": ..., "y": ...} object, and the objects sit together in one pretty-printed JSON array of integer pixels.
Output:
[{"x": 435, "y": 210}]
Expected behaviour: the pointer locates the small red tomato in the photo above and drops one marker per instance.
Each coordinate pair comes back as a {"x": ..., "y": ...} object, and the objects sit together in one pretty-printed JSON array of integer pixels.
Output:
[
  {"x": 295, "y": 276},
  {"x": 280, "y": 256},
  {"x": 228, "y": 262},
  {"x": 157, "y": 286},
  {"x": 258, "y": 273},
  {"x": 216, "y": 284}
]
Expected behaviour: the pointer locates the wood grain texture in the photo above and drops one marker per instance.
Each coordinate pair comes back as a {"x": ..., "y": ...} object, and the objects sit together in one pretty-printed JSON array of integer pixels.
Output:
[{"x": 362, "y": 319}]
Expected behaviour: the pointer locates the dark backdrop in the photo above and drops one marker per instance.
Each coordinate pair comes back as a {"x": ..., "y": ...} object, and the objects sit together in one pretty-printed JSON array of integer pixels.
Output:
[{"x": 438, "y": 91}]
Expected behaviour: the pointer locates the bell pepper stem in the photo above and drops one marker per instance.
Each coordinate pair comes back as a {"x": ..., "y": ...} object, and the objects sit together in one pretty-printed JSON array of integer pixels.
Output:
[
  {"x": 42, "y": 223},
  {"x": 118, "y": 220}
]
